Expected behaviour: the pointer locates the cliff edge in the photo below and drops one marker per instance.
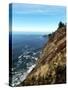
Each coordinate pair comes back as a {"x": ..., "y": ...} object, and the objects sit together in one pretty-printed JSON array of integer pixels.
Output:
[{"x": 51, "y": 66}]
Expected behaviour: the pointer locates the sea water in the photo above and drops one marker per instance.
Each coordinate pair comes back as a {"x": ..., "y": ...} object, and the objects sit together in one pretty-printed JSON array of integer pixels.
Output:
[{"x": 25, "y": 53}]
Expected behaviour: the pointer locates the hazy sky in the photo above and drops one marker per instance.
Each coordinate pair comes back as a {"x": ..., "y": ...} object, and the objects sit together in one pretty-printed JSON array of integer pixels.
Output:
[{"x": 37, "y": 18}]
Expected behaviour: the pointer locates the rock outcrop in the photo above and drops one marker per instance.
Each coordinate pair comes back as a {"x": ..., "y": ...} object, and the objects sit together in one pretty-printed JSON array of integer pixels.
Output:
[{"x": 51, "y": 66}]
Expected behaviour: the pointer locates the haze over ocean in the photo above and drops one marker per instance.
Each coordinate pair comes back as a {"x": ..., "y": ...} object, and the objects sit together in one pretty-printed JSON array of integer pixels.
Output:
[{"x": 36, "y": 17}]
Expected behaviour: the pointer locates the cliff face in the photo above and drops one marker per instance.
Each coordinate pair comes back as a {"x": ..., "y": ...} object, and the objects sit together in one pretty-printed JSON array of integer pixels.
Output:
[{"x": 51, "y": 67}]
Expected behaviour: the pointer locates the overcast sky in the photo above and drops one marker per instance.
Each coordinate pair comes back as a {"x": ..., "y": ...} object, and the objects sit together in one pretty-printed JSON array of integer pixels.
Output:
[{"x": 37, "y": 18}]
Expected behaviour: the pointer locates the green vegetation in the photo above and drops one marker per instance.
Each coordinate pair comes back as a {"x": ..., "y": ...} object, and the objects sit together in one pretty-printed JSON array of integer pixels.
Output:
[{"x": 60, "y": 25}]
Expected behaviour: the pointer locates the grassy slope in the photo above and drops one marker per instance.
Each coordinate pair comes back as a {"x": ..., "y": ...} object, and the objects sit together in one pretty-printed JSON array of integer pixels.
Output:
[{"x": 51, "y": 67}]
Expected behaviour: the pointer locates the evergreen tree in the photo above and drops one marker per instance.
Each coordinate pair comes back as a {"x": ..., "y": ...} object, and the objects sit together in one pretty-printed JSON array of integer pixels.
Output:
[{"x": 61, "y": 24}]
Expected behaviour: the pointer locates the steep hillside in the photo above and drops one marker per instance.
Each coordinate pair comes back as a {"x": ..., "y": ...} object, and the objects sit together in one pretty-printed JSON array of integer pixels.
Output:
[{"x": 51, "y": 66}]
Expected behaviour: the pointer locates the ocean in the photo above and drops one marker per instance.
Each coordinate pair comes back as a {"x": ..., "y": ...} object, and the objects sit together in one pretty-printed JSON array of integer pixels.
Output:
[{"x": 26, "y": 50}]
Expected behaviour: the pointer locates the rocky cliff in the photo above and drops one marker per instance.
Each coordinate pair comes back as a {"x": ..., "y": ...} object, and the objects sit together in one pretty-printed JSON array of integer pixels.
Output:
[{"x": 51, "y": 66}]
